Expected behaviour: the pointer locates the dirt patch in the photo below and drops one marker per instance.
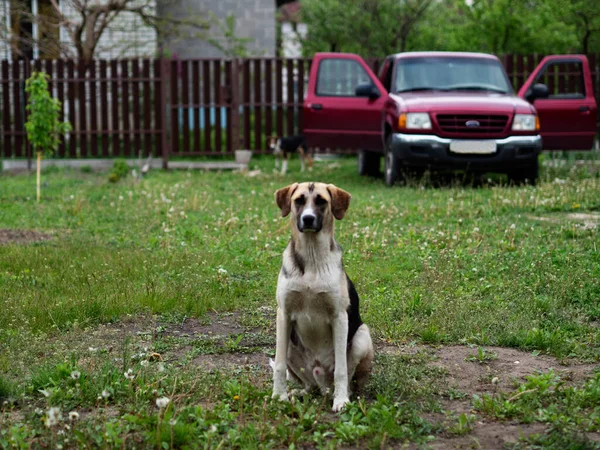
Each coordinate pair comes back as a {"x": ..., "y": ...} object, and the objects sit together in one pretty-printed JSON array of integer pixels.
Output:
[
  {"x": 584, "y": 221},
  {"x": 509, "y": 367},
  {"x": 22, "y": 236},
  {"x": 232, "y": 361}
]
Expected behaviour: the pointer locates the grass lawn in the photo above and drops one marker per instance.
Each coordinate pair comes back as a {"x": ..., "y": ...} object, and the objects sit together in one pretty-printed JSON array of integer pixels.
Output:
[{"x": 141, "y": 314}]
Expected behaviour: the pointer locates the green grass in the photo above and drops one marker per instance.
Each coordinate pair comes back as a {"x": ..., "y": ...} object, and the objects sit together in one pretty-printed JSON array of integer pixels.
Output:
[{"x": 490, "y": 265}]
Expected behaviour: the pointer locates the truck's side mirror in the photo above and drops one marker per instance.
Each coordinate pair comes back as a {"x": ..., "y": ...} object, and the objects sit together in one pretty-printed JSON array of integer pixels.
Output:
[
  {"x": 367, "y": 90},
  {"x": 538, "y": 90}
]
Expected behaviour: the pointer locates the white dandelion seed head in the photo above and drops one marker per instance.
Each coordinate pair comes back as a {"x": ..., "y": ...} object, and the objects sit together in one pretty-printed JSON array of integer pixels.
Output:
[
  {"x": 161, "y": 367},
  {"x": 162, "y": 402},
  {"x": 53, "y": 416},
  {"x": 75, "y": 375},
  {"x": 73, "y": 416},
  {"x": 513, "y": 226},
  {"x": 105, "y": 394},
  {"x": 144, "y": 363},
  {"x": 45, "y": 392}
]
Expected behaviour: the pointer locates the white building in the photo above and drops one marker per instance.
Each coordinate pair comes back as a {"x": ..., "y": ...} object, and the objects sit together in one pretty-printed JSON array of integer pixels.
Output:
[{"x": 125, "y": 37}]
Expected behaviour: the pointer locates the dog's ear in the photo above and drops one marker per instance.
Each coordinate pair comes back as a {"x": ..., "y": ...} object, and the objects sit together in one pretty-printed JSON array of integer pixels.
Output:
[
  {"x": 340, "y": 201},
  {"x": 283, "y": 197}
]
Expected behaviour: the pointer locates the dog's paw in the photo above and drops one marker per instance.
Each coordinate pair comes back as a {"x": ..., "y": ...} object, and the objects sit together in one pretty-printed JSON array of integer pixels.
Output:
[
  {"x": 281, "y": 396},
  {"x": 339, "y": 403}
]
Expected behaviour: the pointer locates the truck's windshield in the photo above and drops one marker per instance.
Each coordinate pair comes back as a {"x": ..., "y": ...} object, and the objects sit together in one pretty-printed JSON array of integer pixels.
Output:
[{"x": 450, "y": 74}]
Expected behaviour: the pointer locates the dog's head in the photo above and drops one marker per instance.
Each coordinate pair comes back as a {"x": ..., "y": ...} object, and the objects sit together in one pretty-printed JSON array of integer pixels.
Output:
[
  {"x": 313, "y": 205},
  {"x": 274, "y": 144}
]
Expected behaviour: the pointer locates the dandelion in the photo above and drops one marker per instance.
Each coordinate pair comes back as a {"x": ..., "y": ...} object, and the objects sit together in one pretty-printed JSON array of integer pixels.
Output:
[
  {"x": 162, "y": 402},
  {"x": 73, "y": 416},
  {"x": 221, "y": 271},
  {"x": 46, "y": 393},
  {"x": 173, "y": 422},
  {"x": 53, "y": 416},
  {"x": 213, "y": 429},
  {"x": 75, "y": 375},
  {"x": 495, "y": 380},
  {"x": 513, "y": 226},
  {"x": 161, "y": 367},
  {"x": 236, "y": 397},
  {"x": 129, "y": 374},
  {"x": 476, "y": 230},
  {"x": 92, "y": 349},
  {"x": 105, "y": 394},
  {"x": 144, "y": 363}
]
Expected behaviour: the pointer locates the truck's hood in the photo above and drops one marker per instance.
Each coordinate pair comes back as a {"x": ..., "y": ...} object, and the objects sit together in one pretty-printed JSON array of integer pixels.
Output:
[{"x": 483, "y": 102}]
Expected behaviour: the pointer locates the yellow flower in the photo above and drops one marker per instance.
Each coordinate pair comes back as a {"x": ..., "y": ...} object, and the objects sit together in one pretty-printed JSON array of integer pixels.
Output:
[{"x": 236, "y": 397}]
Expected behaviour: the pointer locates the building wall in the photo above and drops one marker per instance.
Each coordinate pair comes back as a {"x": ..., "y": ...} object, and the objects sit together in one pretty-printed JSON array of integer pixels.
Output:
[
  {"x": 255, "y": 19},
  {"x": 126, "y": 37}
]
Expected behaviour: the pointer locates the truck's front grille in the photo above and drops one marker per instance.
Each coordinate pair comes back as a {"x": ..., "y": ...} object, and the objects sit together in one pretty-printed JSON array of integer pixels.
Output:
[{"x": 471, "y": 124}]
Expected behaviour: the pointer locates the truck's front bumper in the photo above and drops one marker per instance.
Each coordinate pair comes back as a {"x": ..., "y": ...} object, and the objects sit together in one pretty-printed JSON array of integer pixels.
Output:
[{"x": 430, "y": 151}]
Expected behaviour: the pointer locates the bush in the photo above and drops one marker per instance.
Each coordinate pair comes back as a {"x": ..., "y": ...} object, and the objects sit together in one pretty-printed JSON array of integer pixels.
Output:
[{"x": 120, "y": 170}]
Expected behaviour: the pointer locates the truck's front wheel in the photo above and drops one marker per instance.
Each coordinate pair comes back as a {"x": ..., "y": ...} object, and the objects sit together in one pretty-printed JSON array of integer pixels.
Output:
[
  {"x": 391, "y": 164},
  {"x": 368, "y": 163}
]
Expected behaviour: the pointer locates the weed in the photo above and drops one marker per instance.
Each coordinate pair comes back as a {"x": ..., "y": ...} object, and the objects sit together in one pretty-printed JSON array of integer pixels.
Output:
[{"x": 482, "y": 356}]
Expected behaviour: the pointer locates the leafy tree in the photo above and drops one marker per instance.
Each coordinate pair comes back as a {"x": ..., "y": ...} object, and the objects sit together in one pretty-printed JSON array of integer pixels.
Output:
[{"x": 43, "y": 127}]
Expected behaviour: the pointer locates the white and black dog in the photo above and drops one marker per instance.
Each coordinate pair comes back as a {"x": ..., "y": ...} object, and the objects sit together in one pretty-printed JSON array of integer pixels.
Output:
[
  {"x": 321, "y": 339},
  {"x": 282, "y": 147}
]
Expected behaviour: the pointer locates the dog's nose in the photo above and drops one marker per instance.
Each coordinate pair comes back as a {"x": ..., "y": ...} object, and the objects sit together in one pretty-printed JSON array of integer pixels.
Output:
[{"x": 308, "y": 220}]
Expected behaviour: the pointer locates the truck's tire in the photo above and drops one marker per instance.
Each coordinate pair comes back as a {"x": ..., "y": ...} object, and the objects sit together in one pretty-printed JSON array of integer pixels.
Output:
[
  {"x": 368, "y": 163},
  {"x": 391, "y": 164},
  {"x": 527, "y": 175}
]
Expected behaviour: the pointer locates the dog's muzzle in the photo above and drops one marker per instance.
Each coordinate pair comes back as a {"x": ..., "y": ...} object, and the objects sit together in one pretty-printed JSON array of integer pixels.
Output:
[{"x": 309, "y": 222}]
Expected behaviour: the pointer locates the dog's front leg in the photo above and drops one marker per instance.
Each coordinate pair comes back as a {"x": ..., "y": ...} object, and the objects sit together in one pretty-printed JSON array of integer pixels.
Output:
[
  {"x": 340, "y": 375},
  {"x": 281, "y": 349},
  {"x": 277, "y": 161}
]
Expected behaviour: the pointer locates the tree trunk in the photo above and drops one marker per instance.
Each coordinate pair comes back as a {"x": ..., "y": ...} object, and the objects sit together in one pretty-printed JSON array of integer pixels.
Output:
[{"x": 39, "y": 170}]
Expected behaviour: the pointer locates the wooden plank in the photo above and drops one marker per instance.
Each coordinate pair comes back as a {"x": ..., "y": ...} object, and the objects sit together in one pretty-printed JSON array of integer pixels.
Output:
[
  {"x": 258, "y": 135},
  {"x": 18, "y": 95},
  {"x": 174, "y": 108},
  {"x": 6, "y": 112},
  {"x": 206, "y": 101},
  {"x": 147, "y": 109},
  {"x": 114, "y": 94},
  {"x": 290, "y": 98},
  {"x": 228, "y": 113},
  {"x": 218, "y": 104},
  {"x": 196, "y": 101},
  {"x": 104, "y": 108},
  {"x": 71, "y": 92},
  {"x": 83, "y": 121},
  {"x": 125, "y": 81},
  {"x": 279, "y": 96},
  {"x": 137, "y": 124},
  {"x": 94, "y": 125},
  {"x": 60, "y": 89},
  {"x": 185, "y": 82},
  {"x": 300, "y": 96},
  {"x": 269, "y": 97},
  {"x": 246, "y": 84}
]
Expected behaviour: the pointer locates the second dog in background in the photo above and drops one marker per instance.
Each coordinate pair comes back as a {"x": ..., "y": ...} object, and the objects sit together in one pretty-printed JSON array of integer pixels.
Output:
[{"x": 282, "y": 147}]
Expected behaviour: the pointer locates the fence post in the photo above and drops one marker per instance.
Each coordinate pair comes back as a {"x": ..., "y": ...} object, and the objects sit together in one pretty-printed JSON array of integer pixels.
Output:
[
  {"x": 235, "y": 105},
  {"x": 162, "y": 98}
]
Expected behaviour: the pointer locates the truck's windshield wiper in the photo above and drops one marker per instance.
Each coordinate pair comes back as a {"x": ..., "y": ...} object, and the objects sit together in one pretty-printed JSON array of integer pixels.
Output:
[
  {"x": 422, "y": 88},
  {"x": 477, "y": 88}
]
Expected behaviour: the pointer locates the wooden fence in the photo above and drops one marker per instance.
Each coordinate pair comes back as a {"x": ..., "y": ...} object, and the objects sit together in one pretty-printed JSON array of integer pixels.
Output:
[{"x": 181, "y": 107}]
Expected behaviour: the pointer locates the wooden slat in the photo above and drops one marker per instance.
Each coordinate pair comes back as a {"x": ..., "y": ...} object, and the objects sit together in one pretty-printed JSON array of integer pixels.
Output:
[
  {"x": 175, "y": 108},
  {"x": 60, "y": 90},
  {"x": 114, "y": 94},
  {"x": 94, "y": 124},
  {"x": 246, "y": 84},
  {"x": 137, "y": 124},
  {"x": 279, "y": 96},
  {"x": 104, "y": 108},
  {"x": 185, "y": 85},
  {"x": 196, "y": 100},
  {"x": 159, "y": 113},
  {"x": 206, "y": 101},
  {"x": 71, "y": 93},
  {"x": 269, "y": 97},
  {"x": 6, "y": 112},
  {"x": 258, "y": 135},
  {"x": 125, "y": 81},
  {"x": 147, "y": 109},
  {"x": 228, "y": 113},
  {"x": 300, "y": 96},
  {"x": 18, "y": 93},
  {"x": 290, "y": 98},
  {"x": 83, "y": 122},
  {"x": 218, "y": 102}
]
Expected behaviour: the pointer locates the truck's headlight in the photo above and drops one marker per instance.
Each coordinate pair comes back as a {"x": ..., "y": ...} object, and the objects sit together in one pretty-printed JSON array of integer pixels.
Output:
[
  {"x": 525, "y": 122},
  {"x": 415, "y": 121}
]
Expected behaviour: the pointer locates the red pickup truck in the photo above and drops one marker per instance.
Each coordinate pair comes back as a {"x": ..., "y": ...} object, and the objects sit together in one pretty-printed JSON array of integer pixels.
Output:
[{"x": 448, "y": 111}]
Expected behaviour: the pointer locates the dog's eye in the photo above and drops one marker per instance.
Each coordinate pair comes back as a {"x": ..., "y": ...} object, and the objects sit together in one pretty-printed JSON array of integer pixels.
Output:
[
  {"x": 320, "y": 201},
  {"x": 300, "y": 201}
]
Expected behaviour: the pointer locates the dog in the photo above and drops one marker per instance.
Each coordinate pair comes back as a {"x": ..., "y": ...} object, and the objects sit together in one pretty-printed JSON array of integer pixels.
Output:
[
  {"x": 282, "y": 147},
  {"x": 321, "y": 339}
]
